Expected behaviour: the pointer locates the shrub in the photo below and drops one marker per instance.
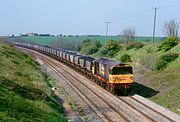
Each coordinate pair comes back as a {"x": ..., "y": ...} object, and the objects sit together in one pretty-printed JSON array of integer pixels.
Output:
[
  {"x": 112, "y": 47},
  {"x": 169, "y": 57},
  {"x": 136, "y": 45},
  {"x": 103, "y": 51},
  {"x": 98, "y": 44},
  {"x": 125, "y": 58},
  {"x": 169, "y": 43},
  {"x": 111, "y": 53},
  {"x": 165, "y": 59},
  {"x": 161, "y": 64},
  {"x": 150, "y": 50},
  {"x": 89, "y": 48}
]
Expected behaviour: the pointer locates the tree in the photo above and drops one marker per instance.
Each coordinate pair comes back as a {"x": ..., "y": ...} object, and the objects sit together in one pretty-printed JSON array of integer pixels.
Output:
[
  {"x": 171, "y": 28},
  {"x": 86, "y": 41},
  {"x": 98, "y": 44},
  {"x": 89, "y": 48},
  {"x": 169, "y": 43},
  {"x": 112, "y": 47},
  {"x": 128, "y": 34}
]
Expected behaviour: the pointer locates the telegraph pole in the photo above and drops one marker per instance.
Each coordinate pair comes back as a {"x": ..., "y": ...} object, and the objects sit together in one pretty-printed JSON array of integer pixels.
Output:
[
  {"x": 107, "y": 25},
  {"x": 154, "y": 27}
]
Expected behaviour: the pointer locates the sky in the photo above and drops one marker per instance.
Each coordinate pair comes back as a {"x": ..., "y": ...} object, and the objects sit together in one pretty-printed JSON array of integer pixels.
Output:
[{"x": 85, "y": 17}]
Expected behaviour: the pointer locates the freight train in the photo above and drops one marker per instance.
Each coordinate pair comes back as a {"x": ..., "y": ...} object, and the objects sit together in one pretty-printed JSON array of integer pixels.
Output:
[{"x": 114, "y": 76}]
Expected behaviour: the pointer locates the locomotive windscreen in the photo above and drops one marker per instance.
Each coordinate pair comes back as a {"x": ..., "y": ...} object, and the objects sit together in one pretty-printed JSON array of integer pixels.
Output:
[{"x": 122, "y": 70}]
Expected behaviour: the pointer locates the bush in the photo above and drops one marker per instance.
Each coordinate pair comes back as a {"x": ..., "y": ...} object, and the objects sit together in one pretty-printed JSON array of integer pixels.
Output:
[
  {"x": 111, "y": 53},
  {"x": 169, "y": 43},
  {"x": 98, "y": 44},
  {"x": 102, "y": 51},
  {"x": 169, "y": 57},
  {"x": 89, "y": 48},
  {"x": 165, "y": 59},
  {"x": 112, "y": 47},
  {"x": 136, "y": 45},
  {"x": 125, "y": 58},
  {"x": 161, "y": 65}
]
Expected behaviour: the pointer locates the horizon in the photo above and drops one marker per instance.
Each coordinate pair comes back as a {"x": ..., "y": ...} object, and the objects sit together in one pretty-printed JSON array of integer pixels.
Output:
[{"x": 68, "y": 35}]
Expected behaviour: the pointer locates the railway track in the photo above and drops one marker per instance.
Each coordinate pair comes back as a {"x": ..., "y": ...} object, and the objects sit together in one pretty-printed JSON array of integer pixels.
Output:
[
  {"x": 91, "y": 103},
  {"x": 102, "y": 108},
  {"x": 145, "y": 110},
  {"x": 151, "y": 108},
  {"x": 100, "y": 99},
  {"x": 154, "y": 110}
]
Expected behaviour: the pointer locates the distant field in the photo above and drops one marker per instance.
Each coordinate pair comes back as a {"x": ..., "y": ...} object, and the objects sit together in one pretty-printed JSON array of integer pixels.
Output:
[{"x": 48, "y": 40}]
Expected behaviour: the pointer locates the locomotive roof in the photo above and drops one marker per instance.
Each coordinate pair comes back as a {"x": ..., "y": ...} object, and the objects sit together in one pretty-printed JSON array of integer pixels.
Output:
[{"x": 108, "y": 62}]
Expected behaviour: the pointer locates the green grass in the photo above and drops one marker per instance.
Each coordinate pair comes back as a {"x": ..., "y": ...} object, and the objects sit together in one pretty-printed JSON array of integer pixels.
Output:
[
  {"x": 24, "y": 91},
  {"x": 146, "y": 55},
  {"x": 163, "y": 87},
  {"x": 166, "y": 82}
]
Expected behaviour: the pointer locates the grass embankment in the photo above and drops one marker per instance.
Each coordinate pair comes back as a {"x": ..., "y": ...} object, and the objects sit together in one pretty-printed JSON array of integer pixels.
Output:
[
  {"x": 166, "y": 82},
  {"x": 24, "y": 91}
]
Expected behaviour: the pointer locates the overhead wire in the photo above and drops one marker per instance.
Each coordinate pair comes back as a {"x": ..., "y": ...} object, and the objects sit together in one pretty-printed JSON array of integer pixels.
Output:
[{"x": 142, "y": 12}]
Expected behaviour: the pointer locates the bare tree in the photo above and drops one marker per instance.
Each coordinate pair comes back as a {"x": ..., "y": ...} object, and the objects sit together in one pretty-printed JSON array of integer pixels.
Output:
[
  {"x": 171, "y": 28},
  {"x": 128, "y": 34}
]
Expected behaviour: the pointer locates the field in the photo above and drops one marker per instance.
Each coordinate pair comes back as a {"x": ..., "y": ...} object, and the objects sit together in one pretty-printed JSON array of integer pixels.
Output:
[
  {"x": 47, "y": 40},
  {"x": 25, "y": 94}
]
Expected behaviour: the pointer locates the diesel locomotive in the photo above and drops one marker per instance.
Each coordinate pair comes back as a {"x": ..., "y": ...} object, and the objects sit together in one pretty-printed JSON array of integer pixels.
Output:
[{"x": 114, "y": 76}]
